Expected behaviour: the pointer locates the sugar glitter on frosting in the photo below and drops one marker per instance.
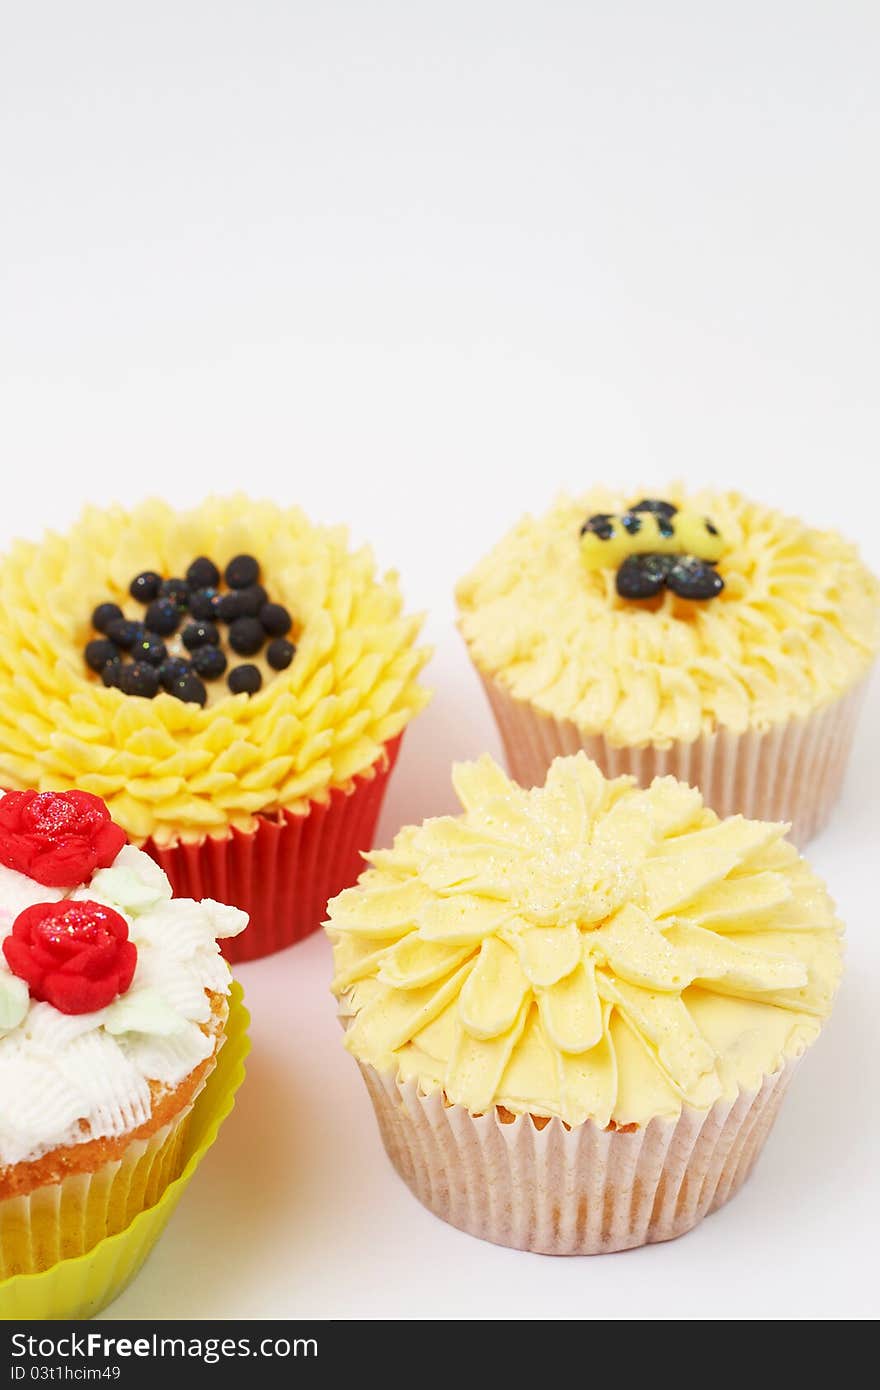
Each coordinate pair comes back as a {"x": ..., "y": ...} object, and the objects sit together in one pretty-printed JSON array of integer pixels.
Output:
[
  {"x": 169, "y": 769},
  {"x": 66, "y": 1079},
  {"x": 795, "y": 626},
  {"x": 584, "y": 949}
]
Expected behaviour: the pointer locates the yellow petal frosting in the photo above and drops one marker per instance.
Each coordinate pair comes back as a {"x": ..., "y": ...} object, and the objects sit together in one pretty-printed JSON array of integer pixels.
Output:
[
  {"x": 585, "y": 949},
  {"x": 795, "y": 626},
  {"x": 174, "y": 770}
]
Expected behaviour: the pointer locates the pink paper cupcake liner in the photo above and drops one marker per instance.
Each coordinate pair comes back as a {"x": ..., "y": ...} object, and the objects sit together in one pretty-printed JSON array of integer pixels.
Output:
[
  {"x": 790, "y": 772},
  {"x": 572, "y": 1191},
  {"x": 284, "y": 872}
]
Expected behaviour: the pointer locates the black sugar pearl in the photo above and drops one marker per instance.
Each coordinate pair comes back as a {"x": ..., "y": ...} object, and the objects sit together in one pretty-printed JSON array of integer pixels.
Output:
[
  {"x": 149, "y": 648},
  {"x": 642, "y": 576},
  {"x": 173, "y": 669},
  {"x": 203, "y": 603},
  {"x": 241, "y": 572},
  {"x": 104, "y": 615},
  {"x": 199, "y": 635},
  {"x": 145, "y": 586},
  {"x": 138, "y": 678},
  {"x": 209, "y": 662},
  {"x": 246, "y": 636},
  {"x": 203, "y": 574},
  {"x": 176, "y": 591},
  {"x": 694, "y": 579},
  {"x": 99, "y": 652},
  {"x": 665, "y": 526},
  {"x": 280, "y": 653},
  {"x": 599, "y": 525},
  {"x": 631, "y": 523},
  {"x": 125, "y": 633},
  {"x": 713, "y": 530},
  {"x": 655, "y": 505},
  {"x": 162, "y": 617},
  {"x": 244, "y": 680},
  {"x": 189, "y": 689},
  {"x": 230, "y": 607},
  {"x": 251, "y": 600},
  {"x": 275, "y": 619},
  {"x": 111, "y": 672}
]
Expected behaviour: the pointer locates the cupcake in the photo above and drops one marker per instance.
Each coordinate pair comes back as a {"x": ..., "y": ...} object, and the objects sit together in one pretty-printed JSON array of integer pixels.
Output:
[
  {"x": 113, "y": 1007},
  {"x": 577, "y": 1007},
  {"x": 233, "y": 681},
  {"x": 707, "y": 637}
]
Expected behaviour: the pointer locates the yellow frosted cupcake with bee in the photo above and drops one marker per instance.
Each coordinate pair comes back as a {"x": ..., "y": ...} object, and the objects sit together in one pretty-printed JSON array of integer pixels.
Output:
[
  {"x": 232, "y": 680},
  {"x": 704, "y": 635}
]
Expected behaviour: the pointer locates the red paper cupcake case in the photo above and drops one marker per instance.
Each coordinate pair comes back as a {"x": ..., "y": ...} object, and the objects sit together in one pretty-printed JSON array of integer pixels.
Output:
[{"x": 284, "y": 872}]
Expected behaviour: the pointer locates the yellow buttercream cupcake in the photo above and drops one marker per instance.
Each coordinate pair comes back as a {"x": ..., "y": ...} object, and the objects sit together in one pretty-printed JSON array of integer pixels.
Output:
[
  {"x": 577, "y": 1007},
  {"x": 705, "y": 636},
  {"x": 262, "y": 799}
]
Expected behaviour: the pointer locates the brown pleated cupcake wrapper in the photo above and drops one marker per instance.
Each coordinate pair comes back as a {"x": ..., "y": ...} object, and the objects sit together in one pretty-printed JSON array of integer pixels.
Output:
[
  {"x": 66, "y": 1219},
  {"x": 580, "y": 1191},
  {"x": 283, "y": 873},
  {"x": 791, "y": 772}
]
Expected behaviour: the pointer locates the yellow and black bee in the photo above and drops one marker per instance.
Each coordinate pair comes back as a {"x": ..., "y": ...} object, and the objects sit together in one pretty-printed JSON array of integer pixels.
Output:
[{"x": 654, "y": 544}]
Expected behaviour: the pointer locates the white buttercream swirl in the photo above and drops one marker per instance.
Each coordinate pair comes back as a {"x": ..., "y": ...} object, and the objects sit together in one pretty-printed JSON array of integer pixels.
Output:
[{"x": 66, "y": 1079}]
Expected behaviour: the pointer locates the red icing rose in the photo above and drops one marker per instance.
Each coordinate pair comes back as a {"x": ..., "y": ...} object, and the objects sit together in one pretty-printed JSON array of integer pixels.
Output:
[
  {"x": 73, "y": 955},
  {"x": 58, "y": 838}
]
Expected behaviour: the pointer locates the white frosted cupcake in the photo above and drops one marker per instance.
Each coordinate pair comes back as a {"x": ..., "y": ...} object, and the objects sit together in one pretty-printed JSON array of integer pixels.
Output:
[
  {"x": 703, "y": 636},
  {"x": 113, "y": 1007},
  {"x": 577, "y": 1008}
]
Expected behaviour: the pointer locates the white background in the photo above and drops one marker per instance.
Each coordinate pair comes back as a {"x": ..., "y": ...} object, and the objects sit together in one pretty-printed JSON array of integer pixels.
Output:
[{"x": 417, "y": 266}]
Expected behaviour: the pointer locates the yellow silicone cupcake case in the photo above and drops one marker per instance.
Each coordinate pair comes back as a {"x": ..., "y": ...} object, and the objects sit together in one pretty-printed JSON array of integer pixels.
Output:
[{"x": 81, "y": 1287}]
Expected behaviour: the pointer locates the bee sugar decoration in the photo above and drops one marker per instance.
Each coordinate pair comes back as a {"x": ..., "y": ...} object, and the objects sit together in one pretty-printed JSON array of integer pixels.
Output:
[{"x": 655, "y": 544}]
